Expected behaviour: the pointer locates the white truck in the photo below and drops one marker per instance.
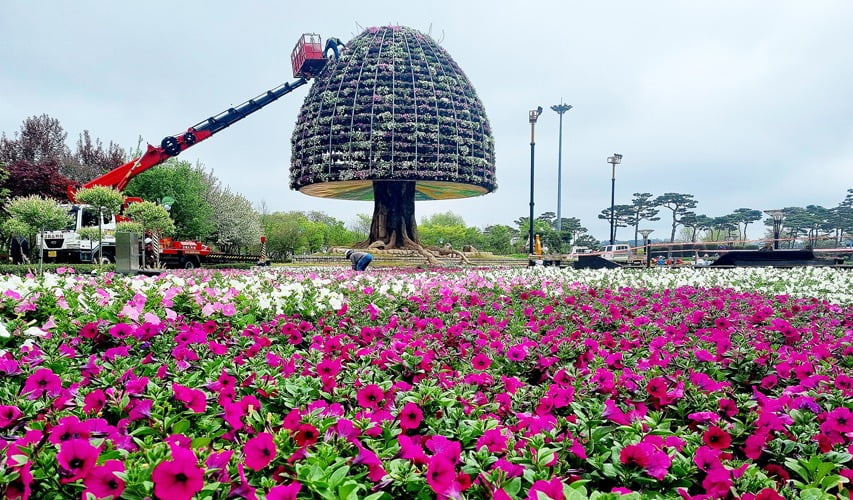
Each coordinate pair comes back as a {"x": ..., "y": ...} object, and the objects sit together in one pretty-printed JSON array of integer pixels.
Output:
[
  {"x": 67, "y": 245},
  {"x": 622, "y": 253}
]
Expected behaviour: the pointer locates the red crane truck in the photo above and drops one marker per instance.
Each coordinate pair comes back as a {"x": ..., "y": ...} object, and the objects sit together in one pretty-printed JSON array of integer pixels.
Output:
[{"x": 66, "y": 246}]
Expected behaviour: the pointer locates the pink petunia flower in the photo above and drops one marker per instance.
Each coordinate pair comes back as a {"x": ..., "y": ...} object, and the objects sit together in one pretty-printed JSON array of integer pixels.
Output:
[
  {"x": 754, "y": 445},
  {"x": 259, "y": 451},
  {"x": 179, "y": 478},
  {"x": 370, "y": 396},
  {"x": 193, "y": 399},
  {"x": 553, "y": 489},
  {"x": 707, "y": 458},
  {"x": 67, "y": 429},
  {"x": 284, "y": 492},
  {"x": 9, "y": 416},
  {"x": 717, "y": 482},
  {"x": 369, "y": 458},
  {"x": 94, "y": 401},
  {"x": 76, "y": 458},
  {"x": 440, "y": 474},
  {"x": 410, "y": 416},
  {"x": 636, "y": 454},
  {"x": 481, "y": 362},
  {"x": 42, "y": 383},
  {"x": 102, "y": 482},
  {"x": 493, "y": 440}
]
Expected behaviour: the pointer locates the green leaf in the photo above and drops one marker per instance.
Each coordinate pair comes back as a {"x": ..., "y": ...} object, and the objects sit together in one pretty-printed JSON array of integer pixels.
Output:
[
  {"x": 794, "y": 465},
  {"x": 201, "y": 442},
  {"x": 545, "y": 455},
  {"x": 513, "y": 487},
  {"x": 181, "y": 426},
  {"x": 609, "y": 470},
  {"x": 573, "y": 493},
  {"x": 338, "y": 476},
  {"x": 375, "y": 496},
  {"x": 814, "y": 494}
]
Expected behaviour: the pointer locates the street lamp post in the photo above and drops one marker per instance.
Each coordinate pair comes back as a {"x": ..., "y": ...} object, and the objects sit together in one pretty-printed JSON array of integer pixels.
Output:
[
  {"x": 560, "y": 108},
  {"x": 646, "y": 247},
  {"x": 534, "y": 115},
  {"x": 614, "y": 160},
  {"x": 777, "y": 215}
]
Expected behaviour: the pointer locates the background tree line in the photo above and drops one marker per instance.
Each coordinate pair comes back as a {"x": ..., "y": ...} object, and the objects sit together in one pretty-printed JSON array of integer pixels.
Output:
[
  {"x": 814, "y": 223},
  {"x": 36, "y": 160}
]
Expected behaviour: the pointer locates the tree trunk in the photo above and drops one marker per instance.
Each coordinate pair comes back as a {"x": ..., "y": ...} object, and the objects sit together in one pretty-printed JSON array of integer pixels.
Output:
[{"x": 393, "y": 224}]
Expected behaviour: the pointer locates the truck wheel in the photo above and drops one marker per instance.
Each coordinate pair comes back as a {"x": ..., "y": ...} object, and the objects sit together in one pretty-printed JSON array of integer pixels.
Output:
[
  {"x": 107, "y": 259},
  {"x": 190, "y": 263}
]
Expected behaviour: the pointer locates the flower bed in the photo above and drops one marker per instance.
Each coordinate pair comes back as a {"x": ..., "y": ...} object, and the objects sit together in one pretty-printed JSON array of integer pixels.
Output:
[{"x": 534, "y": 383}]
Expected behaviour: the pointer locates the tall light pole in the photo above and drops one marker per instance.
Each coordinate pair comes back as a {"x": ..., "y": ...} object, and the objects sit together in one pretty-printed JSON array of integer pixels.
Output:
[
  {"x": 614, "y": 160},
  {"x": 646, "y": 247},
  {"x": 560, "y": 108},
  {"x": 534, "y": 115},
  {"x": 777, "y": 215}
]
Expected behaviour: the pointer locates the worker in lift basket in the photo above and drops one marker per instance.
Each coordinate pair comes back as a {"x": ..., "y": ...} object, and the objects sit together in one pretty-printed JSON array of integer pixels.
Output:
[{"x": 360, "y": 260}]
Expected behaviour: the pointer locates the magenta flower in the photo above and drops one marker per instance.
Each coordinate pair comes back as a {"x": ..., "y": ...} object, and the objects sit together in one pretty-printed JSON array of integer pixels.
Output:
[
  {"x": 259, "y": 451},
  {"x": 20, "y": 488},
  {"x": 42, "y": 382},
  {"x": 76, "y": 458},
  {"x": 768, "y": 494},
  {"x": 493, "y": 440},
  {"x": 94, "y": 401},
  {"x": 754, "y": 445},
  {"x": 69, "y": 428},
  {"x": 440, "y": 474},
  {"x": 9, "y": 416},
  {"x": 510, "y": 469},
  {"x": 193, "y": 399},
  {"x": 604, "y": 380},
  {"x": 121, "y": 330},
  {"x": 411, "y": 449},
  {"x": 440, "y": 445},
  {"x": 481, "y": 362},
  {"x": 102, "y": 482},
  {"x": 516, "y": 353},
  {"x": 707, "y": 458},
  {"x": 838, "y": 423},
  {"x": 329, "y": 367},
  {"x": 369, "y": 458},
  {"x": 179, "y": 478},
  {"x": 717, "y": 482},
  {"x": 658, "y": 465},
  {"x": 370, "y": 396},
  {"x": 284, "y": 492},
  {"x": 636, "y": 454},
  {"x": 410, "y": 416},
  {"x": 217, "y": 462},
  {"x": 140, "y": 409},
  {"x": 553, "y": 489}
]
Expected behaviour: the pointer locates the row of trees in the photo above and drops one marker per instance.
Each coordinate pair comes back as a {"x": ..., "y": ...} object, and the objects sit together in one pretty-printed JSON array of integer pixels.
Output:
[
  {"x": 36, "y": 161},
  {"x": 812, "y": 222}
]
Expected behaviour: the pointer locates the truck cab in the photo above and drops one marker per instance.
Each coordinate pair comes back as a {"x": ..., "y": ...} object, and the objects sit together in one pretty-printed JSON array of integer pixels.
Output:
[
  {"x": 68, "y": 245},
  {"x": 621, "y": 252}
]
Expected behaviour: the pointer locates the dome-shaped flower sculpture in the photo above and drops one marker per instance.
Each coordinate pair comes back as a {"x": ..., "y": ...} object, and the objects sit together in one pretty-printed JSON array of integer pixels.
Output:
[{"x": 393, "y": 119}]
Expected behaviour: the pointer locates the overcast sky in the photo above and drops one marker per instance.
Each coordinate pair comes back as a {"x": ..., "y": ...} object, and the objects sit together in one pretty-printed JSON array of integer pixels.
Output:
[{"x": 742, "y": 104}]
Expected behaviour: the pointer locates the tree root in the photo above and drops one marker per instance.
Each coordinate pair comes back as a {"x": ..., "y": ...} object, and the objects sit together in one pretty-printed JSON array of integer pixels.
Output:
[{"x": 431, "y": 255}]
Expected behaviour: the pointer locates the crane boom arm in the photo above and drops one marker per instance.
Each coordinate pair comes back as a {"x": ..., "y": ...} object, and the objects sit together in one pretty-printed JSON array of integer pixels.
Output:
[{"x": 173, "y": 145}]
